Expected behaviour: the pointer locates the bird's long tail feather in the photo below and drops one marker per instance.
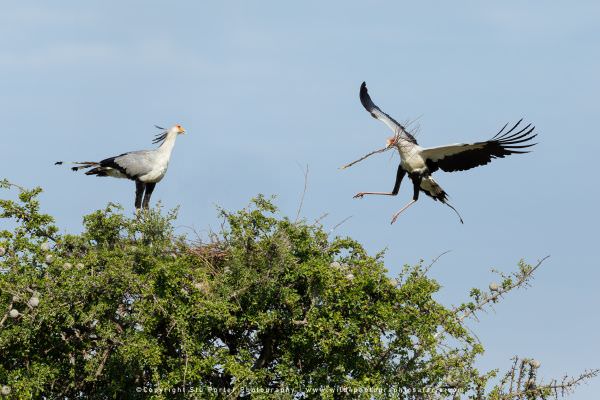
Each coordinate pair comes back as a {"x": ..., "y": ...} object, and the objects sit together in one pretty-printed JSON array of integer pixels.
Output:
[
  {"x": 80, "y": 164},
  {"x": 450, "y": 205}
]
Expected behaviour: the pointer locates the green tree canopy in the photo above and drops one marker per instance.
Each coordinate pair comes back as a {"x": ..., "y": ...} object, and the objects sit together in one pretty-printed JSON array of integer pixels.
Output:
[{"x": 266, "y": 308}]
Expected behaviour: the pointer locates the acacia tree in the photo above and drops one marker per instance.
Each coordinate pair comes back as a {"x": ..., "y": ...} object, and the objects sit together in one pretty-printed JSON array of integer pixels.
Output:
[{"x": 266, "y": 308}]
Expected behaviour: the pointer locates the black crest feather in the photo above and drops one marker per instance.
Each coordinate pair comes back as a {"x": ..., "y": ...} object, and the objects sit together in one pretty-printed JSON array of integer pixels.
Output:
[{"x": 161, "y": 136}]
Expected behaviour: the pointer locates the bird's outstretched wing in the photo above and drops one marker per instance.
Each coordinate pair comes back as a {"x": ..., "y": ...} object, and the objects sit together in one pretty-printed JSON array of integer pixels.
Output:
[
  {"x": 462, "y": 156},
  {"x": 376, "y": 112}
]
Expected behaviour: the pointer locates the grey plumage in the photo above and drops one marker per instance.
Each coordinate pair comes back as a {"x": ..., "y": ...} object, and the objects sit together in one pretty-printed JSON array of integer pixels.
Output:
[
  {"x": 145, "y": 167},
  {"x": 419, "y": 163}
]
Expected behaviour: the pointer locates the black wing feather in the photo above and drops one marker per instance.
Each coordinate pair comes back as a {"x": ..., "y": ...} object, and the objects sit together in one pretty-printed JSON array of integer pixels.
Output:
[
  {"x": 376, "y": 113},
  {"x": 477, "y": 154}
]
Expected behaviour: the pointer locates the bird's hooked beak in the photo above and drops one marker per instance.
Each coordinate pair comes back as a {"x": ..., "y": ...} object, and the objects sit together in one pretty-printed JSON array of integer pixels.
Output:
[{"x": 180, "y": 130}]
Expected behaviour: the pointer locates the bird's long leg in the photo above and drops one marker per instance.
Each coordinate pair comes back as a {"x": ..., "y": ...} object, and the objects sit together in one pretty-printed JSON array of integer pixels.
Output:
[
  {"x": 139, "y": 192},
  {"x": 399, "y": 175},
  {"x": 149, "y": 190},
  {"x": 416, "y": 186}
]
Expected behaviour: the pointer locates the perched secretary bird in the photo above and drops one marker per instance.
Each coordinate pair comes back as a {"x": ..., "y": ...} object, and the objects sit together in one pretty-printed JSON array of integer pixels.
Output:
[
  {"x": 145, "y": 167},
  {"x": 419, "y": 163}
]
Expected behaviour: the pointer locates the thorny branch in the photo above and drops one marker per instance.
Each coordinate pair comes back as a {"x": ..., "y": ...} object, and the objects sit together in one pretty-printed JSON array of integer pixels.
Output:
[
  {"x": 522, "y": 278},
  {"x": 469, "y": 310},
  {"x": 520, "y": 382}
]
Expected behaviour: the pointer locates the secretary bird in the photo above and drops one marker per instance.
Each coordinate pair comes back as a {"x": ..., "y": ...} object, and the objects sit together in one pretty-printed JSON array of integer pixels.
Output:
[
  {"x": 419, "y": 162},
  {"x": 145, "y": 167}
]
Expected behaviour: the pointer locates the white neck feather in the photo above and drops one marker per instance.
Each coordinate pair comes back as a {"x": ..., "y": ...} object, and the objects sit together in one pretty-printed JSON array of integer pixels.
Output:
[{"x": 167, "y": 146}]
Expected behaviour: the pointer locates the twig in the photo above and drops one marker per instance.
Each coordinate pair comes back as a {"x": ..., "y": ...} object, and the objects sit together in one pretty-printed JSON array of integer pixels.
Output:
[
  {"x": 321, "y": 218},
  {"x": 339, "y": 223},
  {"x": 366, "y": 156},
  {"x": 512, "y": 373},
  {"x": 435, "y": 260},
  {"x": 303, "y": 193},
  {"x": 520, "y": 376}
]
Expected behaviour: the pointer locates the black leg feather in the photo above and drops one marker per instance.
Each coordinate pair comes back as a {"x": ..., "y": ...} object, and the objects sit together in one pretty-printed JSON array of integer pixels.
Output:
[
  {"x": 149, "y": 190},
  {"x": 139, "y": 192}
]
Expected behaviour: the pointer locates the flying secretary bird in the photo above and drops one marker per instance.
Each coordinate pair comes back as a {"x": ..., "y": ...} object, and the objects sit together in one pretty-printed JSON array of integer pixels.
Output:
[
  {"x": 145, "y": 167},
  {"x": 419, "y": 162}
]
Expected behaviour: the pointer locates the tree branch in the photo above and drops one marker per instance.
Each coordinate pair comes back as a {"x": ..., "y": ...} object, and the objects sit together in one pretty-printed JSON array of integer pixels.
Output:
[
  {"x": 102, "y": 363},
  {"x": 522, "y": 277},
  {"x": 266, "y": 354}
]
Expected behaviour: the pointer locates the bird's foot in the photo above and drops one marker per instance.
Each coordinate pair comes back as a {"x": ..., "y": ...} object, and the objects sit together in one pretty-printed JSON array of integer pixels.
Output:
[
  {"x": 359, "y": 195},
  {"x": 394, "y": 218}
]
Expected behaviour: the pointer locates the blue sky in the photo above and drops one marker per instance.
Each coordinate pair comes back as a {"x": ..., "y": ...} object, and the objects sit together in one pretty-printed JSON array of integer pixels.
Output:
[{"x": 265, "y": 88}]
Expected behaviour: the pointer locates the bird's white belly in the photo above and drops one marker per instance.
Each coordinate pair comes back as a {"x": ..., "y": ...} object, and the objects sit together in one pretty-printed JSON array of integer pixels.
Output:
[
  {"x": 412, "y": 160},
  {"x": 153, "y": 176}
]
